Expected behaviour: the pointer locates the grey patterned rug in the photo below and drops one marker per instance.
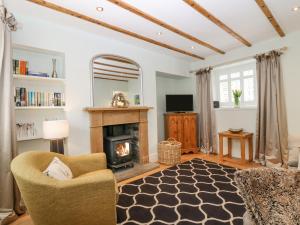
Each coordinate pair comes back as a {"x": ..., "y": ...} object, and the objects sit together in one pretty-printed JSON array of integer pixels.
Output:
[{"x": 194, "y": 192}]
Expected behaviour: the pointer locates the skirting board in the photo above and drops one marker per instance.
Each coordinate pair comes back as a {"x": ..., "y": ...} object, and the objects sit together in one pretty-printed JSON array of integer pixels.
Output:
[{"x": 153, "y": 157}]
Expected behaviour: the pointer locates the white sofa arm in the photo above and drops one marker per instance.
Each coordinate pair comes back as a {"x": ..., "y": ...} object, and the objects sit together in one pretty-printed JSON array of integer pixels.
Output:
[
  {"x": 299, "y": 159},
  {"x": 294, "y": 150}
]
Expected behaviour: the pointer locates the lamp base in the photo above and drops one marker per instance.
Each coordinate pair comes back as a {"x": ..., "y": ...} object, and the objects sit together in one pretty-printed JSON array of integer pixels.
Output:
[{"x": 57, "y": 146}]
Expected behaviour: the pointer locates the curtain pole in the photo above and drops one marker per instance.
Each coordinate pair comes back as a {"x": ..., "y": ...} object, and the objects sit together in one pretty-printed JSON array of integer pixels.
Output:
[{"x": 234, "y": 61}]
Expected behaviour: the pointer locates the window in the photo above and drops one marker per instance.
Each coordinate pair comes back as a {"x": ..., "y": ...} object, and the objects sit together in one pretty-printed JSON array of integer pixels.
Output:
[{"x": 235, "y": 77}]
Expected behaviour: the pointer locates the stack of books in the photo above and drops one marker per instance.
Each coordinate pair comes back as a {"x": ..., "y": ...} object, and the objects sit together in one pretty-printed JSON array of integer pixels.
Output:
[
  {"x": 24, "y": 97},
  {"x": 20, "y": 67}
]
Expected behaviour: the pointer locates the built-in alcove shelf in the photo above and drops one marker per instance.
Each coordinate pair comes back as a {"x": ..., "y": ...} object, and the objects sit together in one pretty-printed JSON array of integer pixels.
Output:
[
  {"x": 36, "y": 78},
  {"x": 37, "y": 104},
  {"x": 39, "y": 107},
  {"x": 29, "y": 139}
]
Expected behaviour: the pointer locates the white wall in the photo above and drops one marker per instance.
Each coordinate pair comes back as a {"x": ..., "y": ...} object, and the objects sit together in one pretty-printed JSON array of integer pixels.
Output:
[
  {"x": 226, "y": 118},
  {"x": 236, "y": 118},
  {"x": 170, "y": 84},
  {"x": 79, "y": 48},
  {"x": 291, "y": 76}
]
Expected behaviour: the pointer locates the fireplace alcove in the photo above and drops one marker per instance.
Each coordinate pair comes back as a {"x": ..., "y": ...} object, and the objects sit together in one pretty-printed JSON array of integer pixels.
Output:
[{"x": 100, "y": 118}]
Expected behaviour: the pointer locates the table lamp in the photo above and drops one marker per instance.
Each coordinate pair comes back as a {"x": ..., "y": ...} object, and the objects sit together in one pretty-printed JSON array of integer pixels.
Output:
[{"x": 56, "y": 131}]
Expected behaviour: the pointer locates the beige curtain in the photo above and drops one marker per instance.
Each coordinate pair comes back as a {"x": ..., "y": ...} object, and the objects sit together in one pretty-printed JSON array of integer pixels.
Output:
[
  {"x": 207, "y": 127},
  {"x": 271, "y": 127},
  {"x": 9, "y": 195}
]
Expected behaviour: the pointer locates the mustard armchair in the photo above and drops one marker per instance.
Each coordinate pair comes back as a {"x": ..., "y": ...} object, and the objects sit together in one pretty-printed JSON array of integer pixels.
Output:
[{"x": 88, "y": 199}]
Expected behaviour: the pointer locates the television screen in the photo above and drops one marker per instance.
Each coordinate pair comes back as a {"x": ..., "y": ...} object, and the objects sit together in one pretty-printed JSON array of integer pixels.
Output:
[{"x": 179, "y": 103}]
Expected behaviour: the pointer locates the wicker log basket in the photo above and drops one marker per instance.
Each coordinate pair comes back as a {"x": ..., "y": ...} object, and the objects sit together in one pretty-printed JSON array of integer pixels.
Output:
[{"x": 169, "y": 151}]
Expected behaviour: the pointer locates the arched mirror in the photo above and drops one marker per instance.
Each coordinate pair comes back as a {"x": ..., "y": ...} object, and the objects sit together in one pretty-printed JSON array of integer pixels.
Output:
[{"x": 112, "y": 74}]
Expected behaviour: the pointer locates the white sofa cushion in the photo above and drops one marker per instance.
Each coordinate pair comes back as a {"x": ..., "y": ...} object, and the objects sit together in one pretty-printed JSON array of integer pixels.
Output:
[
  {"x": 294, "y": 154},
  {"x": 58, "y": 170},
  {"x": 294, "y": 151},
  {"x": 294, "y": 141}
]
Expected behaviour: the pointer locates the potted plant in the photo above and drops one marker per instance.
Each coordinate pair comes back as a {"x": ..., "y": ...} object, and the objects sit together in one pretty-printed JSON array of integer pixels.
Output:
[{"x": 236, "y": 95}]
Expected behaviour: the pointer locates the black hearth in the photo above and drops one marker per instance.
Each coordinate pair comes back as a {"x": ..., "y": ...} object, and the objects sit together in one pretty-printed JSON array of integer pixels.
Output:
[
  {"x": 118, "y": 151},
  {"x": 121, "y": 145}
]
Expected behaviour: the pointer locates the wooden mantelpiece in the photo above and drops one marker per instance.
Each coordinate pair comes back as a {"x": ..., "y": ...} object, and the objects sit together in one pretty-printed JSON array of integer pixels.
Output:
[
  {"x": 131, "y": 108},
  {"x": 100, "y": 117}
]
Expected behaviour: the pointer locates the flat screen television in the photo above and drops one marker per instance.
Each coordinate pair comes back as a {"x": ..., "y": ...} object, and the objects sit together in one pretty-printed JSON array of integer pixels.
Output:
[{"x": 179, "y": 103}]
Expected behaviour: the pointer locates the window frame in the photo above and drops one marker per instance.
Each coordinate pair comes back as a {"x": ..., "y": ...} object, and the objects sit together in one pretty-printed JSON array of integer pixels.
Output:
[{"x": 228, "y": 70}]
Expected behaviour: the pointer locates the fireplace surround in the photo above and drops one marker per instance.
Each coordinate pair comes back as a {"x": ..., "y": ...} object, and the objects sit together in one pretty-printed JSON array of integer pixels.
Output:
[{"x": 102, "y": 117}]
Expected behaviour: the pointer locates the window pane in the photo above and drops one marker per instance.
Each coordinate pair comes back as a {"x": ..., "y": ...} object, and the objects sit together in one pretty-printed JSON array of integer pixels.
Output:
[
  {"x": 249, "y": 89},
  {"x": 235, "y": 75},
  {"x": 224, "y": 92},
  {"x": 248, "y": 73},
  {"x": 235, "y": 85},
  {"x": 223, "y": 77}
]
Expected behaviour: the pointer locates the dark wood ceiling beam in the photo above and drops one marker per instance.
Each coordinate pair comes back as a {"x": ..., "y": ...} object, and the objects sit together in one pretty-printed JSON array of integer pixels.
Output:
[
  {"x": 216, "y": 21},
  {"x": 146, "y": 16},
  {"x": 112, "y": 27},
  {"x": 265, "y": 9}
]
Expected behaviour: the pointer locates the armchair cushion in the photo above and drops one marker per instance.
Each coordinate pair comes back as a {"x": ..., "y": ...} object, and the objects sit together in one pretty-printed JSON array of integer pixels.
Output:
[{"x": 83, "y": 164}]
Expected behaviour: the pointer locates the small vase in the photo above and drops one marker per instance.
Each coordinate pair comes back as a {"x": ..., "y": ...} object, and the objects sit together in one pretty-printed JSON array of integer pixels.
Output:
[
  {"x": 54, "y": 73},
  {"x": 236, "y": 102}
]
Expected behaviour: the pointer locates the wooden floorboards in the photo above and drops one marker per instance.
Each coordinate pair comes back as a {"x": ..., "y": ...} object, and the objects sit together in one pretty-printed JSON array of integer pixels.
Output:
[
  {"x": 25, "y": 219},
  {"x": 187, "y": 157}
]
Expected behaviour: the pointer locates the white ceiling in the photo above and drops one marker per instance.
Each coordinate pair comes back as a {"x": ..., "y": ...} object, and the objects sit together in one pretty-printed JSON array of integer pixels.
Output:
[{"x": 243, "y": 16}]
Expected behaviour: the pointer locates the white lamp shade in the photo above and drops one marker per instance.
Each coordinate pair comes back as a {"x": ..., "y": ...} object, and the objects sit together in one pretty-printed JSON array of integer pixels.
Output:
[{"x": 55, "y": 129}]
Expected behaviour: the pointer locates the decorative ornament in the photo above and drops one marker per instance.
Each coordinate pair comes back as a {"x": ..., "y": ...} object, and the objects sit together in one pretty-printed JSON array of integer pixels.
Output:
[{"x": 54, "y": 73}]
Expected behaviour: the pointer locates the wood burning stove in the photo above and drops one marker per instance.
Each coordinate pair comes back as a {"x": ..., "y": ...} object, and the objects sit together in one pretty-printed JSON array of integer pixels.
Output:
[{"x": 119, "y": 151}]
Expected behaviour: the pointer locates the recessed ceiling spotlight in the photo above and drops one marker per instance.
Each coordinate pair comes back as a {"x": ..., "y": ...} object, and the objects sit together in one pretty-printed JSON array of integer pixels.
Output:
[
  {"x": 193, "y": 47},
  {"x": 296, "y": 8},
  {"x": 99, "y": 9},
  {"x": 159, "y": 33}
]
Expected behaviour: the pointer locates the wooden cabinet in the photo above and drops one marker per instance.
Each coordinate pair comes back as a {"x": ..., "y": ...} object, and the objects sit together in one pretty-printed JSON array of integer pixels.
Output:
[
  {"x": 174, "y": 124},
  {"x": 183, "y": 128}
]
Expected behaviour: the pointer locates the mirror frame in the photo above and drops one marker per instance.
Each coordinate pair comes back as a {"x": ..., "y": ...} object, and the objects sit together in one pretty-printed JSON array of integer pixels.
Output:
[{"x": 92, "y": 103}]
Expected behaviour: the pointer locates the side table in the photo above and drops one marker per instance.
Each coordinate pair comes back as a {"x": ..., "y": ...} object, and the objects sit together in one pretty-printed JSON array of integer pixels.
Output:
[{"x": 243, "y": 137}]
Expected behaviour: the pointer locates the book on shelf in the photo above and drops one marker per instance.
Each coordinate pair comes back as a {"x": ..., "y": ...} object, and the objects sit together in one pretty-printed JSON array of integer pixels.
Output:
[
  {"x": 20, "y": 67},
  {"x": 20, "y": 97},
  {"x": 17, "y": 96},
  {"x": 24, "y": 97}
]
